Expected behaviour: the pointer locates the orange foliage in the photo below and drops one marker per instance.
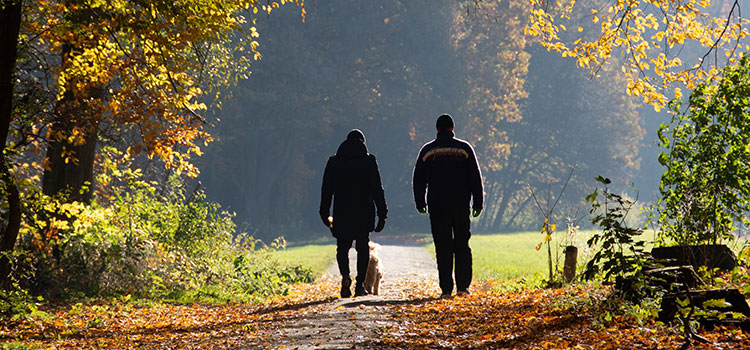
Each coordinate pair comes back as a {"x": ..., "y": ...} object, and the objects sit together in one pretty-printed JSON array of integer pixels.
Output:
[{"x": 541, "y": 318}]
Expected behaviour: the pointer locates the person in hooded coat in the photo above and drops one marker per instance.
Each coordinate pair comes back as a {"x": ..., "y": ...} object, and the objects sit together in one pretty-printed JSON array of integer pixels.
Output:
[{"x": 352, "y": 180}]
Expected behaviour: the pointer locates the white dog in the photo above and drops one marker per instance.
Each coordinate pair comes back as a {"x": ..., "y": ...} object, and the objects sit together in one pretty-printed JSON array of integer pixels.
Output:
[{"x": 374, "y": 271}]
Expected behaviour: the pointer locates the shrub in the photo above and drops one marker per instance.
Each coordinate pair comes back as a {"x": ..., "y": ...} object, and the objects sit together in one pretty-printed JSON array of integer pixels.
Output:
[
  {"x": 620, "y": 252},
  {"x": 705, "y": 188},
  {"x": 149, "y": 242}
]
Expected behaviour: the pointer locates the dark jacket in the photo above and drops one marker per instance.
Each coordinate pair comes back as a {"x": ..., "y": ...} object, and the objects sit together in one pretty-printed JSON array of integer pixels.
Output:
[
  {"x": 448, "y": 171},
  {"x": 352, "y": 179}
]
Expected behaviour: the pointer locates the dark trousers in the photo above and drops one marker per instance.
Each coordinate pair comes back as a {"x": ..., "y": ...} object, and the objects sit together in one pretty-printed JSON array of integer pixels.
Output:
[
  {"x": 363, "y": 255},
  {"x": 450, "y": 232}
]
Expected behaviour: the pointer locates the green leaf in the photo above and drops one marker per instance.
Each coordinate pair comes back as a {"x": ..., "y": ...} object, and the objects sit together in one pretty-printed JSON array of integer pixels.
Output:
[{"x": 603, "y": 180}]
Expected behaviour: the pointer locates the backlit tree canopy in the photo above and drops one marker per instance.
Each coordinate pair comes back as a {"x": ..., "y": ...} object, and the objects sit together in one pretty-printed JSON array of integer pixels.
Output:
[
  {"x": 146, "y": 67},
  {"x": 648, "y": 34}
]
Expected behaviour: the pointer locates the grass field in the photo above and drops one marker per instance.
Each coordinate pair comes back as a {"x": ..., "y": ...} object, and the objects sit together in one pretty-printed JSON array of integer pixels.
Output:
[
  {"x": 497, "y": 257},
  {"x": 509, "y": 256},
  {"x": 514, "y": 255},
  {"x": 317, "y": 257}
]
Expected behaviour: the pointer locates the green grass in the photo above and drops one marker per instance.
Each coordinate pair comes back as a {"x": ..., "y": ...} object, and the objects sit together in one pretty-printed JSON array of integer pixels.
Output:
[
  {"x": 15, "y": 346},
  {"x": 502, "y": 256},
  {"x": 508, "y": 256},
  {"x": 317, "y": 257},
  {"x": 496, "y": 256}
]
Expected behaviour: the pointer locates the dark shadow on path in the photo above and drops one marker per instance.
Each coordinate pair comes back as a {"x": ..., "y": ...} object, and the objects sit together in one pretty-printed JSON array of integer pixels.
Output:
[{"x": 388, "y": 302}]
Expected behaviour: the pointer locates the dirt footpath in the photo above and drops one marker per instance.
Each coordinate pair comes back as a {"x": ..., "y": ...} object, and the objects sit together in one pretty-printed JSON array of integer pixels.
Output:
[
  {"x": 352, "y": 323},
  {"x": 399, "y": 262}
]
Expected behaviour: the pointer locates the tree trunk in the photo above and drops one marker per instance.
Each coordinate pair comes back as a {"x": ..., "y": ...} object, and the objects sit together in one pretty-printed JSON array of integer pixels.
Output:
[
  {"x": 10, "y": 234},
  {"x": 64, "y": 173},
  {"x": 509, "y": 224},
  {"x": 571, "y": 261},
  {"x": 70, "y": 164},
  {"x": 10, "y": 24}
]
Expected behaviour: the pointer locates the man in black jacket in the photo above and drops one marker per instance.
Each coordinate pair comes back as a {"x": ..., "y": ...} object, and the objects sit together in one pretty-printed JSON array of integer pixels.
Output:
[
  {"x": 352, "y": 179},
  {"x": 447, "y": 170}
]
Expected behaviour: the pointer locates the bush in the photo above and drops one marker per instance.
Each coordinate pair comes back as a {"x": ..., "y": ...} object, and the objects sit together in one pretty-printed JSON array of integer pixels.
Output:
[
  {"x": 15, "y": 302},
  {"x": 146, "y": 242},
  {"x": 705, "y": 188},
  {"x": 620, "y": 251}
]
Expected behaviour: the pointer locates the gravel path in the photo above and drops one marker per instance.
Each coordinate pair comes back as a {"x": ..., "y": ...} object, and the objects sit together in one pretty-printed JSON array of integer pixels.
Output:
[
  {"x": 399, "y": 262},
  {"x": 352, "y": 323}
]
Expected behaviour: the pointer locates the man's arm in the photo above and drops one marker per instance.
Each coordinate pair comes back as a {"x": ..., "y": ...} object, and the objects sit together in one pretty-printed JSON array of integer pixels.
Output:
[
  {"x": 378, "y": 195},
  {"x": 475, "y": 182},
  {"x": 419, "y": 183},
  {"x": 326, "y": 193},
  {"x": 377, "y": 190}
]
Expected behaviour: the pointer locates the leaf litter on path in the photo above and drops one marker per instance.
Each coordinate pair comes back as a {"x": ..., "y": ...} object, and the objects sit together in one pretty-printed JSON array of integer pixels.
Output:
[{"x": 408, "y": 315}]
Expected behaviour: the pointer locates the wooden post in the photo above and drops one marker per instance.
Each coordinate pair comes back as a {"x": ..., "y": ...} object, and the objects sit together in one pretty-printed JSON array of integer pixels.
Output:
[{"x": 571, "y": 260}]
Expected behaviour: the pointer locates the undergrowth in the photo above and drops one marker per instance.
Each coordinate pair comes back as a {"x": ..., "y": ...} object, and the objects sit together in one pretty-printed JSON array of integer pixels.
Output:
[{"x": 144, "y": 239}]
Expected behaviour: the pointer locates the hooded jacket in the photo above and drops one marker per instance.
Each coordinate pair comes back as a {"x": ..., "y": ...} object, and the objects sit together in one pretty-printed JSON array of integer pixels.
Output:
[
  {"x": 448, "y": 171},
  {"x": 352, "y": 180}
]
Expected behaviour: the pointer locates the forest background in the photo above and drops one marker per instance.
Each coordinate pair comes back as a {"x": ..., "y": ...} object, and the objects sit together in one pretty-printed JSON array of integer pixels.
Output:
[
  {"x": 390, "y": 69},
  {"x": 149, "y": 146}
]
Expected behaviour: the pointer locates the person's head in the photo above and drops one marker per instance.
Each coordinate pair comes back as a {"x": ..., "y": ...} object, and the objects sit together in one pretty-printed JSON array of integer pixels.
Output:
[
  {"x": 356, "y": 134},
  {"x": 444, "y": 123},
  {"x": 354, "y": 145}
]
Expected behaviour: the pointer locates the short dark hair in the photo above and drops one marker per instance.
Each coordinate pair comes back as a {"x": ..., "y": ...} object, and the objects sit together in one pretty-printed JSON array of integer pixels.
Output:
[{"x": 444, "y": 122}]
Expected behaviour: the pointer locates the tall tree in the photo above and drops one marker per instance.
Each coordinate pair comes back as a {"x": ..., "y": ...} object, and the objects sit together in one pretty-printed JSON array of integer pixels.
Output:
[
  {"x": 570, "y": 121},
  {"x": 145, "y": 69},
  {"x": 494, "y": 88},
  {"x": 391, "y": 69},
  {"x": 10, "y": 24},
  {"x": 141, "y": 71},
  {"x": 74, "y": 129}
]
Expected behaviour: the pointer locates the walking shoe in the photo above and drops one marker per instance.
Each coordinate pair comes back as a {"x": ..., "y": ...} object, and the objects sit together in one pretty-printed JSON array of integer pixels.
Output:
[
  {"x": 445, "y": 295},
  {"x": 346, "y": 284},
  {"x": 463, "y": 292},
  {"x": 359, "y": 291}
]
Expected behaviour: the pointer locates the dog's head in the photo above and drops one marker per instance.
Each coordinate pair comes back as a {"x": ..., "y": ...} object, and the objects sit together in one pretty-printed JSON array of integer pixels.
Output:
[{"x": 374, "y": 246}]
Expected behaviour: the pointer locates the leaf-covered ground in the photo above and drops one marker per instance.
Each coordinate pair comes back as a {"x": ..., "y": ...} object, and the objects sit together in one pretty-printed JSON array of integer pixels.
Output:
[
  {"x": 408, "y": 315},
  {"x": 561, "y": 318}
]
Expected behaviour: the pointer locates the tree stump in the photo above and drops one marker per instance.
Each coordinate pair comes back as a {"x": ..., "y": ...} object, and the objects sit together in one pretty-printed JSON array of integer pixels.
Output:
[
  {"x": 710, "y": 255},
  {"x": 571, "y": 261},
  {"x": 668, "y": 276},
  {"x": 733, "y": 297}
]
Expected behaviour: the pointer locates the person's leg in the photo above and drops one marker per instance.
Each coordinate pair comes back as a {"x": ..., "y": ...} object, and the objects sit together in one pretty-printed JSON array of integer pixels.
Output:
[
  {"x": 462, "y": 234},
  {"x": 363, "y": 258},
  {"x": 342, "y": 257},
  {"x": 440, "y": 223}
]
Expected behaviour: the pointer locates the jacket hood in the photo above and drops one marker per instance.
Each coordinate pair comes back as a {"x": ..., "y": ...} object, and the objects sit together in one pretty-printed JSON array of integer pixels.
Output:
[
  {"x": 356, "y": 134},
  {"x": 352, "y": 147}
]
